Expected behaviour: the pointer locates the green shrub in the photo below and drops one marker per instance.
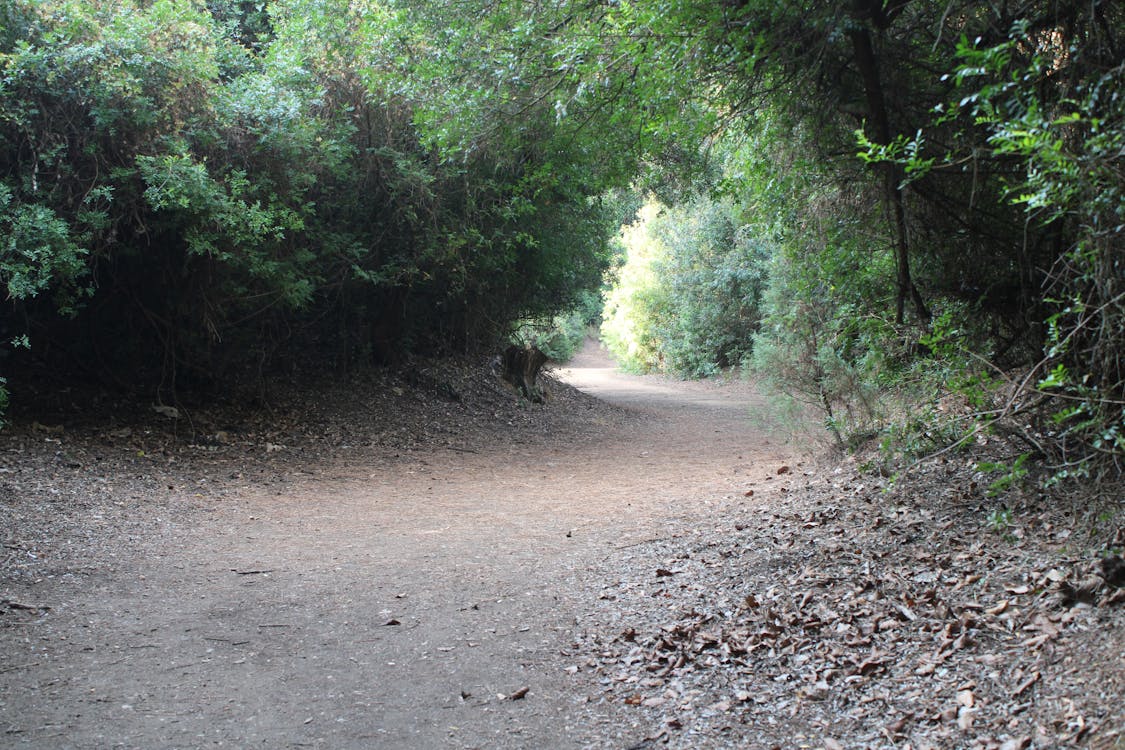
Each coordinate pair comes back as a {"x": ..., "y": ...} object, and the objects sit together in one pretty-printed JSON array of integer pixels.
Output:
[
  {"x": 234, "y": 185},
  {"x": 687, "y": 298},
  {"x": 38, "y": 252}
]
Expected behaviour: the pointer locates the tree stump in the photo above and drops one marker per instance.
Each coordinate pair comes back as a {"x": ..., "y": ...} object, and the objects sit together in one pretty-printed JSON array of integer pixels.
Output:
[{"x": 521, "y": 367}]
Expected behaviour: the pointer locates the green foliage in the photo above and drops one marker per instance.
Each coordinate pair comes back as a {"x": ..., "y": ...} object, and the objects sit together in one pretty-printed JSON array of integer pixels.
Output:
[
  {"x": 688, "y": 295},
  {"x": 714, "y": 274},
  {"x": 244, "y": 21},
  {"x": 559, "y": 336},
  {"x": 1010, "y": 474},
  {"x": 242, "y": 178},
  {"x": 632, "y": 302},
  {"x": 827, "y": 337},
  {"x": 903, "y": 150},
  {"x": 38, "y": 252},
  {"x": 1000, "y": 521},
  {"x": 1009, "y": 171},
  {"x": 1052, "y": 103},
  {"x": 824, "y": 336},
  {"x": 192, "y": 187},
  {"x": 222, "y": 220}
]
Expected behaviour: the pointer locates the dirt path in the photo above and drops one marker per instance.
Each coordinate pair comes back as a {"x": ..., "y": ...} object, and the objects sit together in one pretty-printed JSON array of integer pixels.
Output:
[{"x": 375, "y": 605}]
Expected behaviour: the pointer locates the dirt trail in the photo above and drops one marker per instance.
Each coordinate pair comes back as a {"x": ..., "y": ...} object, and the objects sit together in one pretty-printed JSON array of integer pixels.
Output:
[{"x": 384, "y": 605}]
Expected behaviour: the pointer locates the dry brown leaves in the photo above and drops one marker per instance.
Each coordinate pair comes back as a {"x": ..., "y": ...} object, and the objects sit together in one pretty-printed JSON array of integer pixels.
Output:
[{"x": 834, "y": 614}]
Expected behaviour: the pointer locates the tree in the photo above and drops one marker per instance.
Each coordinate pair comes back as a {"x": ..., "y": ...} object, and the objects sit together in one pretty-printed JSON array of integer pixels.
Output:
[{"x": 204, "y": 190}]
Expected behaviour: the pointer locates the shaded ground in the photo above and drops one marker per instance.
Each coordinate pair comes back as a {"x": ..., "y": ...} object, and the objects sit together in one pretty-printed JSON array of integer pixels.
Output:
[{"x": 434, "y": 564}]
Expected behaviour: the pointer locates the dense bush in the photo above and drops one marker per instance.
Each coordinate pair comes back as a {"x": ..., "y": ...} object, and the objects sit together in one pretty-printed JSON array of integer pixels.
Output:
[
  {"x": 976, "y": 241},
  {"x": 194, "y": 191},
  {"x": 1051, "y": 97},
  {"x": 561, "y": 336},
  {"x": 687, "y": 301}
]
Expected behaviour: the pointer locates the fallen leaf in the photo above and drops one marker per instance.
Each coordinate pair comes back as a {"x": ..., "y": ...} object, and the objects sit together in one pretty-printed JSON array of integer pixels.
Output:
[
  {"x": 783, "y": 470},
  {"x": 896, "y": 727},
  {"x": 1023, "y": 686},
  {"x": 519, "y": 694},
  {"x": 819, "y": 691},
  {"x": 870, "y": 664},
  {"x": 997, "y": 608},
  {"x": 1117, "y": 597}
]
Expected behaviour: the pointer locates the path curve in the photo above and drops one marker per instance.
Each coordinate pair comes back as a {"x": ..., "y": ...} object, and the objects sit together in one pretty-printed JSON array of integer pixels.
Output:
[{"x": 372, "y": 607}]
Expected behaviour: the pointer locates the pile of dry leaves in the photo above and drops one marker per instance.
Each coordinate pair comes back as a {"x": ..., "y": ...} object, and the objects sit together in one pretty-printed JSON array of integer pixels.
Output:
[{"x": 832, "y": 610}]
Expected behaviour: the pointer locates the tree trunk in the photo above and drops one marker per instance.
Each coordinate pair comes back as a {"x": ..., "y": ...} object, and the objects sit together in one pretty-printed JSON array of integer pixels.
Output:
[
  {"x": 878, "y": 125},
  {"x": 521, "y": 367}
]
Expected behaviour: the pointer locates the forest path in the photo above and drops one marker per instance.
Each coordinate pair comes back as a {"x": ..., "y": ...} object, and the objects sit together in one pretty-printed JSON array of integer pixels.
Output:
[{"x": 371, "y": 607}]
